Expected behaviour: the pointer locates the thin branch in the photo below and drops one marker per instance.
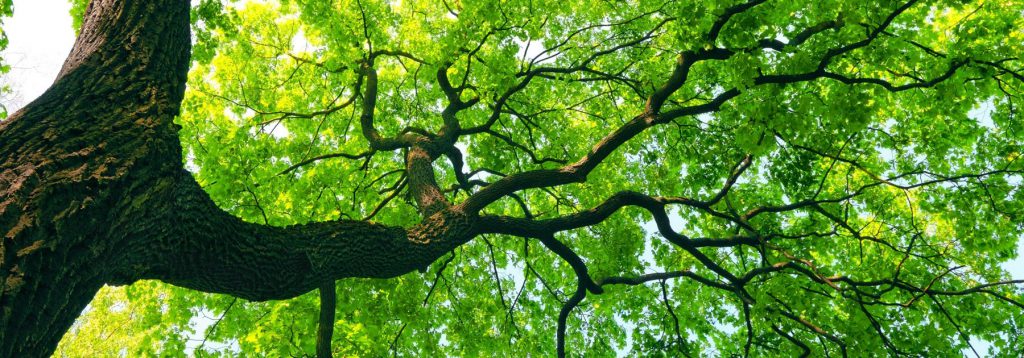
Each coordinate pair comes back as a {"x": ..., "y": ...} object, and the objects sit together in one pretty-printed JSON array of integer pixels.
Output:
[
  {"x": 362, "y": 155},
  {"x": 563, "y": 317},
  {"x": 213, "y": 326}
]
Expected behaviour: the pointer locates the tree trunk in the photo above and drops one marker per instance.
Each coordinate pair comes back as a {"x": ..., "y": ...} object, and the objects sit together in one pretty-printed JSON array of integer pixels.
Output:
[{"x": 93, "y": 192}]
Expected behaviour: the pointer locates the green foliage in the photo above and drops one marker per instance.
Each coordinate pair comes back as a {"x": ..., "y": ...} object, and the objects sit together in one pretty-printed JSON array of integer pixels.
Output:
[
  {"x": 270, "y": 85},
  {"x": 6, "y": 10},
  {"x": 77, "y": 13}
]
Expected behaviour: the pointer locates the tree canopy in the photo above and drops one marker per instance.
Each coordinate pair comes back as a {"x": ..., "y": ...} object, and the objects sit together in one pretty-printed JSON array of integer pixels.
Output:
[{"x": 668, "y": 178}]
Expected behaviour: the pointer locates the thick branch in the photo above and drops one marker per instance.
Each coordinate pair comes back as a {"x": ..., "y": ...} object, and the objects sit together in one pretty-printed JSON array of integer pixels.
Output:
[
  {"x": 325, "y": 326},
  {"x": 212, "y": 251}
]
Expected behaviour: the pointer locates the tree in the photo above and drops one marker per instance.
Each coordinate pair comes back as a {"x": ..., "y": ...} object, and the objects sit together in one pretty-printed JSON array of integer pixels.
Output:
[{"x": 753, "y": 178}]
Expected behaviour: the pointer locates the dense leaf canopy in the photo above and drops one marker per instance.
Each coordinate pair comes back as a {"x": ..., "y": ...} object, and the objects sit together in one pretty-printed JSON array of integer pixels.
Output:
[{"x": 763, "y": 178}]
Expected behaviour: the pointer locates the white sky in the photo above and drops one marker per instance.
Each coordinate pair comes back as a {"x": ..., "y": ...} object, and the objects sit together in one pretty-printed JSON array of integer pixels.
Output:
[{"x": 41, "y": 38}]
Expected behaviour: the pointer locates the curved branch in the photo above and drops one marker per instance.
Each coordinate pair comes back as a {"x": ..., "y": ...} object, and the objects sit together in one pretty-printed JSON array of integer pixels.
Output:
[
  {"x": 214, "y": 251},
  {"x": 563, "y": 317},
  {"x": 366, "y": 115},
  {"x": 805, "y": 351},
  {"x": 578, "y": 171},
  {"x": 661, "y": 276},
  {"x": 574, "y": 260},
  {"x": 327, "y": 156},
  {"x": 720, "y": 22},
  {"x": 655, "y": 206}
]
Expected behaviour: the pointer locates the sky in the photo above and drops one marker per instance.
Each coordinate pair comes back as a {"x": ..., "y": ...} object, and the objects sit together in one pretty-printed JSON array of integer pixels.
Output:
[{"x": 41, "y": 37}]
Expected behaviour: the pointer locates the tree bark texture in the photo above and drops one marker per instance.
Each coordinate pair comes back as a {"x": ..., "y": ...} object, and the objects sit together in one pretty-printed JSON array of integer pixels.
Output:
[{"x": 93, "y": 192}]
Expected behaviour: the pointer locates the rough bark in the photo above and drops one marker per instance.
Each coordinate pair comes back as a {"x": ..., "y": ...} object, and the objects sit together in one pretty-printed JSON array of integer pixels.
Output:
[{"x": 93, "y": 192}]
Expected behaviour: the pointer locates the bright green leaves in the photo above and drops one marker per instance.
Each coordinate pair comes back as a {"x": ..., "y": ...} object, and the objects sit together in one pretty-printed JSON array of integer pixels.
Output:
[
  {"x": 78, "y": 13},
  {"x": 6, "y": 10},
  {"x": 210, "y": 24},
  {"x": 909, "y": 142},
  {"x": 135, "y": 321}
]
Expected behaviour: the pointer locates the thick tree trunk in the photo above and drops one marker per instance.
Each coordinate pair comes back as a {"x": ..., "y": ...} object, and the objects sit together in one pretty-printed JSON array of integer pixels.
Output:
[
  {"x": 92, "y": 192},
  {"x": 79, "y": 162}
]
